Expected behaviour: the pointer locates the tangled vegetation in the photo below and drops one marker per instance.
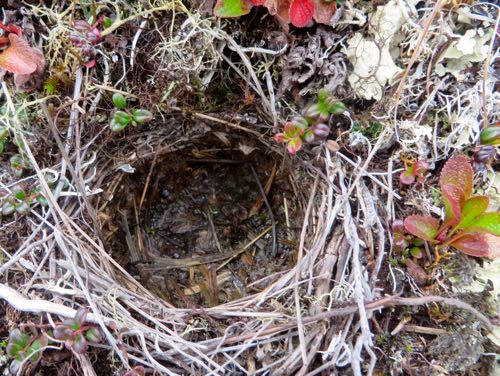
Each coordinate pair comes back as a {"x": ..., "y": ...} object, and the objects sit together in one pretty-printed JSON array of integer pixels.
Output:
[{"x": 249, "y": 187}]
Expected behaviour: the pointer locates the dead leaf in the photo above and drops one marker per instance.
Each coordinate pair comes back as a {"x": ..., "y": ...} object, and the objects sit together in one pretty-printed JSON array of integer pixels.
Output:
[
  {"x": 417, "y": 272},
  {"x": 324, "y": 11},
  {"x": 20, "y": 57}
]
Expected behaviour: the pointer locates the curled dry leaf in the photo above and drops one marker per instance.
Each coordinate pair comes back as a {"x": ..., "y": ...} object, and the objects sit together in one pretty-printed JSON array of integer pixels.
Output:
[{"x": 20, "y": 57}]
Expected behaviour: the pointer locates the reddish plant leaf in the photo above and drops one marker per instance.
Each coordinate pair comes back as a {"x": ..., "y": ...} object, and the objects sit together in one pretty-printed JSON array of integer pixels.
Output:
[
  {"x": 301, "y": 12},
  {"x": 258, "y": 2},
  {"x": 324, "y": 11},
  {"x": 473, "y": 208},
  {"x": 453, "y": 198},
  {"x": 458, "y": 172},
  {"x": 294, "y": 145},
  {"x": 20, "y": 57},
  {"x": 423, "y": 227},
  {"x": 407, "y": 177},
  {"x": 489, "y": 223},
  {"x": 479, "y": 245}
]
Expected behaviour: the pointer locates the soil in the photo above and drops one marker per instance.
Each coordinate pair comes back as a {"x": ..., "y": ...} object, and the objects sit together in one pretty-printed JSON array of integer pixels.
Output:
[{"x": 202, "y": 208}]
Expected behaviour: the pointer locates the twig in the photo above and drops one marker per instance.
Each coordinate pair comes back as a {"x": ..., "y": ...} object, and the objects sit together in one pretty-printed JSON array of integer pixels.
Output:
[{"x": 269, "y": 209}]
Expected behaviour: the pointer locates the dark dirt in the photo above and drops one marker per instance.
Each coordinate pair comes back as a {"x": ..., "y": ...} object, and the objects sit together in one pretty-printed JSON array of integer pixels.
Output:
[{"x": 199, "y": 214}]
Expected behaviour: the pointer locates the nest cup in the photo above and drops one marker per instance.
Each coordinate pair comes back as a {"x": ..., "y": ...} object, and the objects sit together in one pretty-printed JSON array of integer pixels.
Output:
[{"x": 203, "y": 223}]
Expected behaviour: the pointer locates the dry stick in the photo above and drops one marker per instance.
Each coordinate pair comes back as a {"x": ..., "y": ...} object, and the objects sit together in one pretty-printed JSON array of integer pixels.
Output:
[
  {"x": 300, "y": 326},
  {"x": 388, "y": 301},
  {"x": 216, "y": 120},
  {"x": 148, "y": 179},
  {"x": 57, "y": 211},
  {"x": 269, "y": 209},
  {"x": 73, "y": 119},
  {"x": 416, "y": 51},
  {"x": 486, "y": 67}
]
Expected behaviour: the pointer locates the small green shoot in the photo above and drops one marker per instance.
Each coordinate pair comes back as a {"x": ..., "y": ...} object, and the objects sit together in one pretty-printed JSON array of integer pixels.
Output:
[
  {"x": 314, "y": 126},
  {"x": 122, "y": 118}
]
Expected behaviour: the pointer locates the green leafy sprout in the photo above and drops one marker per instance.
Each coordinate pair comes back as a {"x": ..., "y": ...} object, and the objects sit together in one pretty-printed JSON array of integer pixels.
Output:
[
  {"x": 122, "y": 118},
  {"x": 313, "y": 126}
]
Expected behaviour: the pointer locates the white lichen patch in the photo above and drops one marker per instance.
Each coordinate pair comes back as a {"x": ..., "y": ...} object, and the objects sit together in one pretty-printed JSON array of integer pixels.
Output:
[
  {"x": 472, "y": 47},
  {"x": 373, "y": 63}
]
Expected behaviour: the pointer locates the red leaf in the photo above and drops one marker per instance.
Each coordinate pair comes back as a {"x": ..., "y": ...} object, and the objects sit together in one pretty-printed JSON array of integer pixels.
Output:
[
  {"x": 453, "y": 198},
  {"x": 19, "y": 57},
  {"x": 90, "y": 64},
  {"x": 423, "y": 227},
  {"x": 258, "y": 2},
  {"x": 406, "y": 177},
  {"x": 458, "y": 173},
  {"x": 479, "y": 245},
  {"x": 323, "y": 11},
  {"x": 294, "y": 145},
  {"x": 301, "y": 12}
]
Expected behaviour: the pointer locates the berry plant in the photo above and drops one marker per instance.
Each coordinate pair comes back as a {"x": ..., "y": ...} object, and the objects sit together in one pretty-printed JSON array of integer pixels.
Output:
[
  {"x": 27, "y": 346},
  {"x": 313, "y": 126},
  {"x": 414, "y": 171},
  {"x": 466, "y": 226},
  {"x": 122, "y": 118}
]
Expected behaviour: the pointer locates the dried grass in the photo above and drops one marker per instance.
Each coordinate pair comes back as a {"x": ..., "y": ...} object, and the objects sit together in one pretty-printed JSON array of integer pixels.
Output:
[{"x": 344, "y": 242}]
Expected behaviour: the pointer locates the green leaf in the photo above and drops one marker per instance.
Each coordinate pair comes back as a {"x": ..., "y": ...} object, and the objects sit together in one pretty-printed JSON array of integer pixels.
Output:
[
  {"x": 8, "y": 208},
  {"x": 423, "y": 227},
  {"x": 115, "y": 126},
  {"x": 107, "y": 22},
  {"x": 17, "y": 342},
  {"x": 142, "y": 116},
  {"x": 478, "y": 245},
  {"x": 2, "y": 143},
  {"x": 336, "y": 108},
  {"x": 23, "y": 208},
  {"x": 323, "y": 95},
  {"x": 62, "y": 332},
  {"x": 232, "y": 8},
  {"x": 119, "y": 101},
  {"x": 42, "y": 200},
  {"x": 80, "y": 316},
  {"x": 121, "y": 117},
  {"x": 473, "y": 208},
  {"x": 453, "y": 197},
  {"x": 488, "y": 222},
  {"x": 93, "y": 335},
  {"x": 35, "y": 347},
  {"x": 416, "y": 252},
  {"x": 4, "y": 132},
  {"x": 19, "y": 193},
  {"x": 490, "y": 135}
]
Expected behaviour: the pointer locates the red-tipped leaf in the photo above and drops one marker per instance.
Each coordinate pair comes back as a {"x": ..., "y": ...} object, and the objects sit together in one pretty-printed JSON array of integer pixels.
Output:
[
  {"x": 423, "y": 227},
  {"x": 458, "y": 172},
  {"x": 301, "y": 12},
  {"x": 479, "y": 245},
  {"x": 454, "y": 198}
]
